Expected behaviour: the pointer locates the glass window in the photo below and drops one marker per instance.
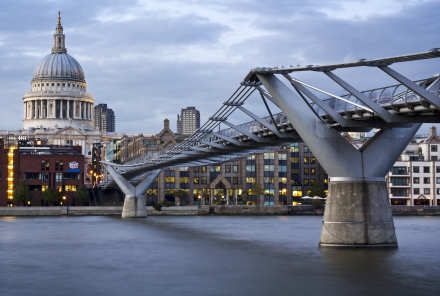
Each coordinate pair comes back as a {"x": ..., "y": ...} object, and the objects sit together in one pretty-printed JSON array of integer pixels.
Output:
[
  {"x": 294, "y": 147},
  {"x": 58, "y": 177},
  {"x": 426, "y": 169},
  {"x": 282, "y": 168},
  {"x": 427, "y": 180},
  {"x": 250, "y": 180},
  {"x": 416, "y": 169},
  {"x": 416, "y": 191},
  {"x": 250, "y": 168},
  {"x": 269, "y": 155},
  {"x": 227, "y": 168},
  {"x": 437, "y": 180},
  {"x": 433, "y": 148},
  {"x": 399, "y": 171},
  {"x": 416, "y": 180},
  {"x": 399, "y": 181},
  {"x": 426, "y": 191},
  {"x": 282, "y": 156},
  {"x": 269, "y": 168},
  {"x": 235, "y": 168}
]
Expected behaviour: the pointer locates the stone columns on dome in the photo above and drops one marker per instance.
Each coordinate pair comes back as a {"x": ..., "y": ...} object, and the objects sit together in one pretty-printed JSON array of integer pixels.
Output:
[{"x": 68, "y": 109}]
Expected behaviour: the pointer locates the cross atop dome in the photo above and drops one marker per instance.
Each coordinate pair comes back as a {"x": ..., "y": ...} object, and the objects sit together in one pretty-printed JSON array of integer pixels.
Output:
[{"x": 59, "y": 38}]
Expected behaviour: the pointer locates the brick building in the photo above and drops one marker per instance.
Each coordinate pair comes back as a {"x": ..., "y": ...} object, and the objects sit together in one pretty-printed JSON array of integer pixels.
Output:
[{"x": 41, "y": 166}]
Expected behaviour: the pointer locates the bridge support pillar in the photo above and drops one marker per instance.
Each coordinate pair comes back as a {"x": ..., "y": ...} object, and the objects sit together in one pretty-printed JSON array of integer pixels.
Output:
[
  {"x": 357, "y": 214},
  {"x": 134, "y": 207},
  {"x": 134, "y": 201}
]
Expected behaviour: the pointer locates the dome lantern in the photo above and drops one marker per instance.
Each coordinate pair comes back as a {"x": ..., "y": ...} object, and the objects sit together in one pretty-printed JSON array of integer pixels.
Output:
[{"x": 58, "y": 38}]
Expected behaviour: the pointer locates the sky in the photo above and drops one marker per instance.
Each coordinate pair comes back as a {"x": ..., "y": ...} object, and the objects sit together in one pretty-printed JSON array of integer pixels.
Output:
[{"x": 147, "y": 59}]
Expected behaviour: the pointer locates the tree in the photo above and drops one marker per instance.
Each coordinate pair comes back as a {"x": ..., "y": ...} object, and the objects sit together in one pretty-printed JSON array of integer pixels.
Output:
[
  {"x": 317, "y": 190},
  {"x": 82, "y": 195},
  {"x": 22, "y": 194},
  {"x": 51, "y": 197}
]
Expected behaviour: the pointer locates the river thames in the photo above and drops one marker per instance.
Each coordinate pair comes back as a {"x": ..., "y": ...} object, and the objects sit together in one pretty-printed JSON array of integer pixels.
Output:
[{"x": 209, "y": 256}]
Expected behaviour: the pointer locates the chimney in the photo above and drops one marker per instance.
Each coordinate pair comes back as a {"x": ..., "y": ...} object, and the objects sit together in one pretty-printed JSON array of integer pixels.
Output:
[
  {"x": 166, "y": 124},
  {"x": 433, "y": 132}
]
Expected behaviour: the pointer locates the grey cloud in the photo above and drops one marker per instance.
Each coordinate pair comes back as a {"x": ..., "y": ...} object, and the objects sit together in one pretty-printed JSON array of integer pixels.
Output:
[{"x": 124, "y": 68}]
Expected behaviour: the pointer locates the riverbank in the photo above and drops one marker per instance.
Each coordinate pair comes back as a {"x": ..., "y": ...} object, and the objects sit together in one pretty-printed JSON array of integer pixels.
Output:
[{"x": 201, "y": 211}]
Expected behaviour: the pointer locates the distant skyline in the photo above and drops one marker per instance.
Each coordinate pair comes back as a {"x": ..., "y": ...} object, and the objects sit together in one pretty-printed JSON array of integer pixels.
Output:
[{"x": 149, "y": 59}]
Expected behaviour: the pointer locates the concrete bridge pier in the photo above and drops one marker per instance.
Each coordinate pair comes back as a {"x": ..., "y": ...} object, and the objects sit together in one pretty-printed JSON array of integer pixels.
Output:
[
  {"x": 134, "y": 201},
  {"x": 357, "y": 212}
]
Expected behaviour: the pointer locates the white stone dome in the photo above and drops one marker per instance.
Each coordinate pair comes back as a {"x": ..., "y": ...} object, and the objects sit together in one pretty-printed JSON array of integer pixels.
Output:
[{"x": 59, "y": 66}]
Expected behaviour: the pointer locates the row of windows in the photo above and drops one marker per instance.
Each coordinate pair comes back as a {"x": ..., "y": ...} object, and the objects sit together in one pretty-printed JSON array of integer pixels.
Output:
[
  {"x": 60, "y": 84},
  {"x": 426, "y": 180},
  {"x": 426, "y": 169},
  {"x": 426, "y": 191}
]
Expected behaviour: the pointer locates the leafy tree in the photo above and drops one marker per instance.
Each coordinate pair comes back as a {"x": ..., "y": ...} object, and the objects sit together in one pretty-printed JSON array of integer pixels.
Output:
[
  {"x": 82, "y": 195},
  {"x": 22, "y": 194},
  {"x": 51, "y": 197},
  {"x": 317, "y": 190}
]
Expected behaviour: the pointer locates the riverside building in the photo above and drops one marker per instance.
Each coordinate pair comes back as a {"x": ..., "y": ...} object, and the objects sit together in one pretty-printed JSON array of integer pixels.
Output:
[
  {"x": 274, "y": 177},
  {"x": 415, "y": 178},
  {"x": 41, "y": 166}
]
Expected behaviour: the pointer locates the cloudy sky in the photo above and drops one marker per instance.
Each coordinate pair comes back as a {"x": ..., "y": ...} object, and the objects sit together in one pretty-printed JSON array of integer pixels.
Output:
[{"x": 147, "y": 59}]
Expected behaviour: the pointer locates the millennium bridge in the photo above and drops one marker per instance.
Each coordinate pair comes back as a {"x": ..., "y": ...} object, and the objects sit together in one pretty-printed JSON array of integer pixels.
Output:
[{"x": 357, "y": 212}]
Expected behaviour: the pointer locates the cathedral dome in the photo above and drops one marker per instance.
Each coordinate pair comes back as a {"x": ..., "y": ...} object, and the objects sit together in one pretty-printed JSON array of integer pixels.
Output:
[{"x": 59, "y": 66}]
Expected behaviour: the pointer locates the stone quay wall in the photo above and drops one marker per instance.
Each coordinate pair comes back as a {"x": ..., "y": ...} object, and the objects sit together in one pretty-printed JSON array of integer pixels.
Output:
[{"x": 202, "y": 211}]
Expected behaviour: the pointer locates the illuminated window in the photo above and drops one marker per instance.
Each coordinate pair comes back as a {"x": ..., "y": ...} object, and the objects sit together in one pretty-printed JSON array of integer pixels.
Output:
[
  {"x": 250, "y": 180},
  {"x": 297, "y": 193},
  {"x": 269, "y": 155},
  {"x": 70, "y": 188},
  {"x": 294, "y": 159},
  {"x": 169, "y": 179},
  {"x": 196, "y": 180},
  {"x": 294, "y": 147},
  {"x": 282, "y": 156}
]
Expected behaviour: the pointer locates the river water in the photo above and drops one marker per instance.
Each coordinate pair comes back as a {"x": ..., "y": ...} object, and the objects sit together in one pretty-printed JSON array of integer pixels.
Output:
[{"x": 209, "y": 256}]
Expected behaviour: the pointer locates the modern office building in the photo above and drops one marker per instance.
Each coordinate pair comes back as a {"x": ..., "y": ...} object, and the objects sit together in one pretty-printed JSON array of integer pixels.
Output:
[
  {"x": 280, "y": 176},
  {"x": 188, "y": 121},
  {"x": 104, "y": 118}
]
